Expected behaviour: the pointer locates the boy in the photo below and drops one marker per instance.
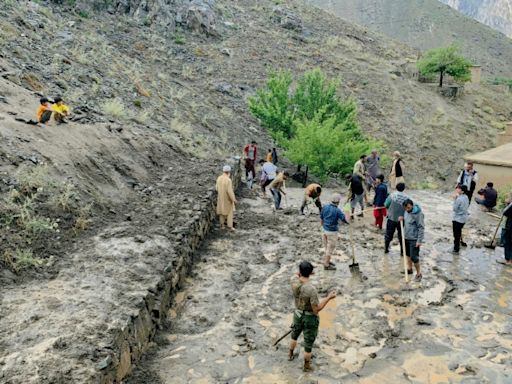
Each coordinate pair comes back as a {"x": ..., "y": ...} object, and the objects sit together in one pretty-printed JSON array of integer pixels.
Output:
[{"x": 44, "y": 112}]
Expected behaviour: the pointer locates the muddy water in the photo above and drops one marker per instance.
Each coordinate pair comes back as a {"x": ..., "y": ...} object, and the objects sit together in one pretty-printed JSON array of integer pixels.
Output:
[{"x": 453, "y": 327}]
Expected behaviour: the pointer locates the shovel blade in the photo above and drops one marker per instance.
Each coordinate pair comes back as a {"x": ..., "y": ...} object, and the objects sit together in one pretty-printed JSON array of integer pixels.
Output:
[{"x": 490, "y": 246}]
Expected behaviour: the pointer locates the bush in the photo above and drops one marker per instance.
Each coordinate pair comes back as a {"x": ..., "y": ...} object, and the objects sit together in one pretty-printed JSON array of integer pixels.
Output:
[
  {"x": 504, "y": 195},
  {"x": 114, "y": 108},
  {"x": 316, "y": 126}
]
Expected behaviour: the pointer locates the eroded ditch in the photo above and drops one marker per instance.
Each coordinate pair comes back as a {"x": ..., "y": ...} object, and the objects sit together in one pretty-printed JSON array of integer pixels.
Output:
[{"x": 453, "y": 327}]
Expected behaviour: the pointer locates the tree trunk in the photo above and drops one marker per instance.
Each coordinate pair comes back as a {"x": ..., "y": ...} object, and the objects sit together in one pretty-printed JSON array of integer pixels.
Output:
[
  {"x": 305, "y": 177},
  {"x": 441, "y": 79},
  {"x": 298, "y": 168}
]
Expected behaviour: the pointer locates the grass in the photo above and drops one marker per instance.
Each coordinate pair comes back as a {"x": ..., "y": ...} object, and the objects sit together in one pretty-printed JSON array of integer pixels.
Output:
[
  {"x": 114, "y": 108},
  {"x": 33, "y": 179},
  {"x": 20, "y": 259}
]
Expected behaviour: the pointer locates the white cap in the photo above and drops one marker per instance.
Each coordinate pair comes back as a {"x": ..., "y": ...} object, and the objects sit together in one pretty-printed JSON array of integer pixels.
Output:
[
  {"x": 226, "y": 168},
  {"x": 336, "y": 198}
]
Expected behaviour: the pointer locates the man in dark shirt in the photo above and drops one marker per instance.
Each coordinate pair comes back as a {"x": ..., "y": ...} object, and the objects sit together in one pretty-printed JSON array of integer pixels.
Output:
[
  {"x": 356, "y": 192},
  {"x": 489, "y": 196}
]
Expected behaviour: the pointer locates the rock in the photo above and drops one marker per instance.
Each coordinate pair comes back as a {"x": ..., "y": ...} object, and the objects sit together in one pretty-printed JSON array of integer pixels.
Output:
[
  {"x": 199, "y": 16},
  {"x": 423, "y": 321},
  {"x": 225, "y": 51},
  {"x": 224, "y": 88},
  {"x": 104, "y": 363},
  {"x": 287, "y": 19}
]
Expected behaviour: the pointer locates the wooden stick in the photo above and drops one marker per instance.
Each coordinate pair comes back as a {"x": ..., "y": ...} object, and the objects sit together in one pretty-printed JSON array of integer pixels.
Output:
[
  {"x": 494, "y": 215},
  {"x": 403, "y": 253}
]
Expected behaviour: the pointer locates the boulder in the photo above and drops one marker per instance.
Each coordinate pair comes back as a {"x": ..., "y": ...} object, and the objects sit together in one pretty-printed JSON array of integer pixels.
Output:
[{"x": 287, "y": 19}]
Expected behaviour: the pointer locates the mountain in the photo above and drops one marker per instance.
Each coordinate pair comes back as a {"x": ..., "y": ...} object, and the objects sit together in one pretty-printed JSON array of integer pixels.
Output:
[
  {"x": 426, "y": 24},
  {"x": 496, "y": 14}
]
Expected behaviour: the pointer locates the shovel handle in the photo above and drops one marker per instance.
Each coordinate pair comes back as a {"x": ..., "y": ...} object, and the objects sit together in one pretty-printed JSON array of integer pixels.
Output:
[
  {"x": 496, "y": 231},
  {"x": 403, "y": 252},
  {"x": 282, "y": 337},
  {"x": 352, "y": 244}
]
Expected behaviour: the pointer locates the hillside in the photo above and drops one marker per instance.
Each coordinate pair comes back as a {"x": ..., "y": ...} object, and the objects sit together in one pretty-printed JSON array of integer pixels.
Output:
[
  {"x": 426, "y": 24},
  {"x": 496, "y": 14},
  {"x": 96, "y": 208}
]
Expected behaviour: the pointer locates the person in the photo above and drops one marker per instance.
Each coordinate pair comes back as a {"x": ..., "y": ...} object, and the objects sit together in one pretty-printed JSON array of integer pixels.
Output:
[
  {"x": 372, "y": 168},
  {"x": 395, "y": 206},
  {"x": 414, "y": 232},
  {"x": 268, "y": 174},
  {"x": 489, "y": 196},
  {"x": 274, "y": 156},
  {"x": 249, "y": 154},
  {"x": 269, "y": 156},
  {"x": 44, "y": 112},
  {"x": 330, "y": 217},
  {"x": 381, "y": 194},
  {"x": 396, "y": 175},
  {"x": 360, "y": 170},
  {"x": 277, "y": 188},
  {"x": 225, "y": 198},
  {"x": 305, "y": 316},
  {"x": 61, "y": 110},
  {"x": 468, "y": 177},
  {"x": 312, "y": 191},
  {"x": 356, "y": 193},
  {"x": 459, "y": 215},
  {"x": 506, "y": 234}
]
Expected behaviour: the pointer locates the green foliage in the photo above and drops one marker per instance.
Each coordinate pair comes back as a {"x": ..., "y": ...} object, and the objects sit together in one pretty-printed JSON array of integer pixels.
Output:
[
  {"x": 179, "y": 38},
  {"x": 445, "y": 61},
  {"x": 502, "y": 81},
  {"x": 316, "y": 126},
  {"x": 504, "y": 196},
  {"x": 327, "y": 146},
  {"x": 272, "y": 106},
  {"x": 20, "y": 259}
]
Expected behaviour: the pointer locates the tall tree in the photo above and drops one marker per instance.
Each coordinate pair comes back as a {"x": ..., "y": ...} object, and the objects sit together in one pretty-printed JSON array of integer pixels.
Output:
[{"x": 445, "y": 60}]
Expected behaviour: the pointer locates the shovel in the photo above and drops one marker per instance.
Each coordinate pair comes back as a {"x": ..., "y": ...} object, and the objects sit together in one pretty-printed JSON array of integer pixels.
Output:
[
  {"x": 354, "y": 267},
  {"x": 407, "y": 286},
  {"x": 491, "y": 245},
  {"x": 282, "y": 337}
]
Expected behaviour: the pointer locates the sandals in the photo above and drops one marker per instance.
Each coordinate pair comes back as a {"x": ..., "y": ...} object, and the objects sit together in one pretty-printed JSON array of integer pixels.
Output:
[
  {"x": 418, "y": 277},
  {"x": 330, "y": 267}
]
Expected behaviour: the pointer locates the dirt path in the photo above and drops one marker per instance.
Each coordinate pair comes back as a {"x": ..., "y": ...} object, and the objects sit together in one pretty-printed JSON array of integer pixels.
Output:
[{"x": 453, "y": 327}]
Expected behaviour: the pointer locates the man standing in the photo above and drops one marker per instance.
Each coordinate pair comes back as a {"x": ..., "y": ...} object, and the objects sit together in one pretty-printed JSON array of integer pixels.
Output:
[
  {"x": 305, "y": 316},
  {"x": 381, "y": 194},
  {"x": 225, "y": 198},
  {"x": 395, "y": 205},
  {"x": 330, "y": 217},
  {"x": 274, "y": 156},
  {"x": 506, "y": 235},
  {"x": 268, "y": 174},
  {"x": 356, "y": 193},
  {"x": 360, "y": 170},
  {"x": 396, "y": 175},
  {"x": 459, "y": 215},
  {"x": 277, "y": 188},
  {"x": 249, "y": 154},
  {"x": 372, "y": 168},
  {"x": 269, "y": 156},
  {"x": 489, "y": 196},
  {"x": 312, "y": 191},
  {"x": 468, "y": 177},
  {"x": 414, "y": 228}
]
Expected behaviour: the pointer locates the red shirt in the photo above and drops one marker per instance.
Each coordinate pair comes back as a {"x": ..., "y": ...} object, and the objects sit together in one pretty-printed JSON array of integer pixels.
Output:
[{"x": 250, "y": 151}]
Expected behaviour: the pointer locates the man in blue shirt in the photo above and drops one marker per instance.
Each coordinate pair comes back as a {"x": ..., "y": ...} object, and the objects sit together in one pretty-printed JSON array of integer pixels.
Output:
[{"x": 331, "y": 216}]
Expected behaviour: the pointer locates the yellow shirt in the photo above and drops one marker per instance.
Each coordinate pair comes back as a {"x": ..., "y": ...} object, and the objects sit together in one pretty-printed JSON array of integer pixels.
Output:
[{"x": 63, "y": 108}]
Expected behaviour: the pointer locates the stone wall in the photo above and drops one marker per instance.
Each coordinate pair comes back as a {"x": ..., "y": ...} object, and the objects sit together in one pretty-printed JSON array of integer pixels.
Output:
[{"x": 133, "y": 339}]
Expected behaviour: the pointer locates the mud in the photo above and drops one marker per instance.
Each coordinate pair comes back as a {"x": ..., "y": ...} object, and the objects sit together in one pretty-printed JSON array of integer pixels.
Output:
[{"x": 453, "y": 327}]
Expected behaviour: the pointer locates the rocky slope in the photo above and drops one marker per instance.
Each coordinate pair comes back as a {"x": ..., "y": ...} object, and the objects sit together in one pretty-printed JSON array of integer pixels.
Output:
[
  {"x": 426, "y": 24},
  {"x": 496, "y": 14}
]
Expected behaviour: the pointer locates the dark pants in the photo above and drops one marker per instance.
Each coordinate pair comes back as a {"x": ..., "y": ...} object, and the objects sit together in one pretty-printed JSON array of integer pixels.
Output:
[
  {"x": 249, "y": 167},
  {"x": 457, "y": 234},
  {"x": 277, "y": 197},
  {"x": 265, "y": 185},
  {"x": 307, "y": 324},
  {"x": 391, "y": 226},
  {"x": 412, "y": 250},
  {"x": 470, "y": 195},
  {"x": 45, "y": 117},
  {"x": 485, "y": 203}
]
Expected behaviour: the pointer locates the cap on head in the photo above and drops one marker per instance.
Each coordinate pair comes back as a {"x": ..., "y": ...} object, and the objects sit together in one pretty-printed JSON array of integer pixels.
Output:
[
  {"x": 400, "y": 187},
  {"x": 226, "y": 168},
  {"x": 306, "y": 268},
  {"x": 336, "y": 198}
]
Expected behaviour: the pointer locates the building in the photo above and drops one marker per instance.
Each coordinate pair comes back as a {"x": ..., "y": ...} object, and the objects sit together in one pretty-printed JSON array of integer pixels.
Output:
[{"x": 495, "y": 164}]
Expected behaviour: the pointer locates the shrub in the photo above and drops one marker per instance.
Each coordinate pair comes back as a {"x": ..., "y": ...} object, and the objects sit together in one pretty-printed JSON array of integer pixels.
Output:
[
  {"x": 504, "y": 195},
  {"x": 447, "y": 60},
  {"x": 114, "y": 108}
]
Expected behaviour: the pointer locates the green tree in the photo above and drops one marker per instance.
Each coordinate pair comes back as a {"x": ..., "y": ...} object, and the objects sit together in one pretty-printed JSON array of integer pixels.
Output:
[
  {"x": 326, "y": 146},
  {"x": 272, "y": 106},
  {"x": 443, "y": 61}
]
